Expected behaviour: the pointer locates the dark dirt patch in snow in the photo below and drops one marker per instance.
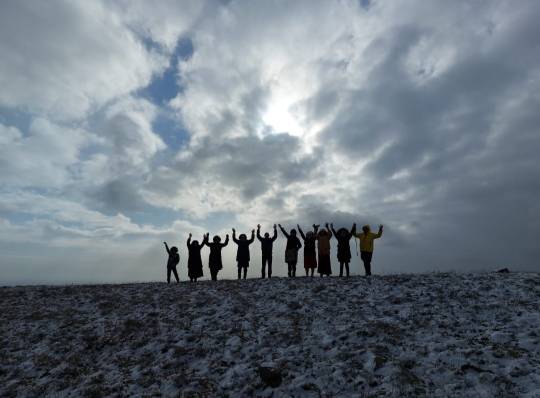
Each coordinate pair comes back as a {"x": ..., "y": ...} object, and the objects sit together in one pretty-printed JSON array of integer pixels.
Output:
[{"x": 434, "y": 335}]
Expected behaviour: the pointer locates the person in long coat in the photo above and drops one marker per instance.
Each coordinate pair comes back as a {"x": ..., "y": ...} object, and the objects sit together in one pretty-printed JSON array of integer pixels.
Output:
[
  {"x": 195, "y": 269},
  {"x": 172, "y": 262},
  {"x": 291, "y": 250},
  {"x": 343, "y": 237},
  {"x": 214, "y": 259},
  {"x": 323, "y": 238},
  {"x": 310, "y": 252},
  {"x": 242, "y": 254}
]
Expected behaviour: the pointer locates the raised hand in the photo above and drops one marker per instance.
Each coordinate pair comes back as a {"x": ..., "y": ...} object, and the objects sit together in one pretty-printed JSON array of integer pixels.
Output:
[
  {"x": 190, "y": 234},
  {"x": 279, "y": 225},
  {"x": 381, "y": 226},
  {"x": 227, "y": 236},
  {"x": 258, "y": 226},
  {"x": 234, "y": 230},
  {"x": 274, "y": 226},
  {"x": 252, "y": 231}
]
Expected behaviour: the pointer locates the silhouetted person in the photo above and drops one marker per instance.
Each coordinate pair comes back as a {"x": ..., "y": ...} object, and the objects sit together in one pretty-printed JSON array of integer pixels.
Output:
[
  {"x": 323, "y": 237},
  {"x": 242, "y": 255},
  {"x": 172, "y": 262},
  {"x": 310, "y": 255},
  {"x": 214, "y": 259},
  {"x": 195, "y": 269},
  {"x": 291, "y": 250},
  {"x": 343, "y": 237},
  {"x": 366, "y": 245},
  {"x": 267, "y": 244}
]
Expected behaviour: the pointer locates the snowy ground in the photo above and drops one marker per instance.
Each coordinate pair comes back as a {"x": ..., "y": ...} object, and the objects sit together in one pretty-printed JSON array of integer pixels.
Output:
[{"x": 437, "y": 335}]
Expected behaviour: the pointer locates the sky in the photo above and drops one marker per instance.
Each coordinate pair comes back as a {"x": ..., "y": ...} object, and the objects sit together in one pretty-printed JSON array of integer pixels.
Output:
[{"x": 124, "y": 124}]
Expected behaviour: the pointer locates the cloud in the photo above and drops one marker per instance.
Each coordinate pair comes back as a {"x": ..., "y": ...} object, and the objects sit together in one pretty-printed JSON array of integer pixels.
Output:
[
  {"x": 162, "y": 22},
  {"x": 231, "y": 174},
  {"x": 419, "y": 116},
  {"x": 64, "y": 59},
  {"x": 42, "y": 156}
]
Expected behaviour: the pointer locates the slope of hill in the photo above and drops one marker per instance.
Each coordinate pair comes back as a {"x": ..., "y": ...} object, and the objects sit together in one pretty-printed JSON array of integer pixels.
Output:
[{"x": 430, "y": 334}]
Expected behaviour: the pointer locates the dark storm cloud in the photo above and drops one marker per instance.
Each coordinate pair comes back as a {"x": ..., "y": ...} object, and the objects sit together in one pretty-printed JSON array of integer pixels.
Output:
[
  {"x": 250, "y": 164},
  {"x": 467, "y": 138},
  {"x": 117, "y": 196}
]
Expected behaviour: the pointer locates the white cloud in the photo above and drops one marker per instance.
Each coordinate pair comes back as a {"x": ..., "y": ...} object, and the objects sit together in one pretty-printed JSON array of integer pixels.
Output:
[
  {"x": 163, "y": 21},
  {"x": 63, "y": 58},
  {"x": 43, "y": 156}
]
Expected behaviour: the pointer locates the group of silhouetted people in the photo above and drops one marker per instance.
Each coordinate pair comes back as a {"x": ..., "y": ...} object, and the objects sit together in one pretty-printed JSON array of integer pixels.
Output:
[{"x": 317, "y": 249}]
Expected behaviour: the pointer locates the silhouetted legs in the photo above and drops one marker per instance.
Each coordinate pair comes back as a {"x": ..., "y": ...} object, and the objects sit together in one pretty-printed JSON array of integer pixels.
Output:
[
  {"x": 240, "y": 272},
  {"x": 366, "y": 258},
  {"x": 291, "y": 269},
  {"x": 214, "y": 275},
  {"x": 173, "y": 270},
  {"x": 341, "y": 268},
  {"x": 265, "y": 260}
]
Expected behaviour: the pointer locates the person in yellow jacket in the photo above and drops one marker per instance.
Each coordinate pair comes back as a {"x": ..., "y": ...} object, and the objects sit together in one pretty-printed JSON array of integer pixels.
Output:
[{"x": 366, "y": 245}]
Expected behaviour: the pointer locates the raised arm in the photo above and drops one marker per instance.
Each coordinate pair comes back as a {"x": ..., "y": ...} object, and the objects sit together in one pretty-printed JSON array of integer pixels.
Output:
[
  {"x": 226, "y": 241},
  {"x": 329, "y": 231},
  {"x": 234, "y": 236},
  {"x": 283, "y": 231},
  {"x": 259, "y": 232},
  {"x": 332, "y": 227},
  {"x": 379, "y": 234},
  {"x": 353, "y": 230},
  {"x": 274, "y": 237},
  {"x": 189, "y": 240},
  {"x": 252, "y": 236},
  {"x": 167, "y": 248},
  {"x": 205, "y": 240},
  {"x": 315, "y": 229},
  {"x": 301, "y": 232}
]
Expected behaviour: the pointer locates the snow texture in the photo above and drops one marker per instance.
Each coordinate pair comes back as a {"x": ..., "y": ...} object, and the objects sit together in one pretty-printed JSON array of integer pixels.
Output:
[{"x": 397, "y": 335}]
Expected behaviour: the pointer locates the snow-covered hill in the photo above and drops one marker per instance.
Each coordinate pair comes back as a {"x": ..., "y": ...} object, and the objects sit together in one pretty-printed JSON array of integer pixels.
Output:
[{"x": 435, "y": 334}]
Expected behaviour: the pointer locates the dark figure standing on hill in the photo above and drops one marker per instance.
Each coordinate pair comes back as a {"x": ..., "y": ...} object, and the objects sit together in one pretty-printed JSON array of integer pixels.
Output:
[
  {"x": 267, "y": 244},
  {"x": 172, "y": 262},
  {"x": 323, "y": 237},
  {"x": 214, "y": 259},
  {"x": 242, "y": 255},
  {"x": 343, "y": 237},
  {"x": 195, "y": 269},
  {"x": 310, "y": 255},
  {"x": 291, "y": 250},
  {"x": 366, "y": 245}
]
